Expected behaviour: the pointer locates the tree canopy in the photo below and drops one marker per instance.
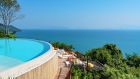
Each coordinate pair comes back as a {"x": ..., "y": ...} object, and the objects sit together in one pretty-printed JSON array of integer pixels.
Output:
[
  {"x": 115, "y": 65},
  {"x": 106, "y": 55},
  {"x": 8, "y": 13},
  {"x": 8, "y": 10}
]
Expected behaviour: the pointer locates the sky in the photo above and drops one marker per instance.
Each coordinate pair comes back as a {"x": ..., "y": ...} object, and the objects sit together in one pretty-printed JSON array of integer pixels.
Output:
[{"x": 79, "y": 14}]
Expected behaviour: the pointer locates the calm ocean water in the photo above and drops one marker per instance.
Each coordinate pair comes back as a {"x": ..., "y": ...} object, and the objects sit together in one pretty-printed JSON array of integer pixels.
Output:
[{"x": 83, "y": 40}]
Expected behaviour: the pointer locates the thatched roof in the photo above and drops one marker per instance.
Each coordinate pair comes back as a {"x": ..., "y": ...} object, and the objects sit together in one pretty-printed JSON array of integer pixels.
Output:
[{"x": 11, "y": 28}]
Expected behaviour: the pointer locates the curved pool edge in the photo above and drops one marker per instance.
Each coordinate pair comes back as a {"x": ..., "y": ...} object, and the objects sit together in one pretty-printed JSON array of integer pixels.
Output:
[{"x": 30, "y": 65}]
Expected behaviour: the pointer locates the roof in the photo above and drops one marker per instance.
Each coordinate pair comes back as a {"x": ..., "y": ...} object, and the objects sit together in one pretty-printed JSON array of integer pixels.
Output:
[{"x": 10, "y": 28}]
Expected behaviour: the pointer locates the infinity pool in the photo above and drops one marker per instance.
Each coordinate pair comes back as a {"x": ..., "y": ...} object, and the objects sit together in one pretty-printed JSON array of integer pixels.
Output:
[{"x": 17, "y": 51}]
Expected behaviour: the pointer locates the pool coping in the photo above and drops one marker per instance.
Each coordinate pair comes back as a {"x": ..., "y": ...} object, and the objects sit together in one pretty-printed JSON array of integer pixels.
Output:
[{"x": 29, "y": 65}]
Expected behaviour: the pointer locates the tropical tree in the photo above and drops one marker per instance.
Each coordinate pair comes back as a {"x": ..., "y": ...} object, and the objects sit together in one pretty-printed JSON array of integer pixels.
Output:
[{"x": 8, "y": 13}]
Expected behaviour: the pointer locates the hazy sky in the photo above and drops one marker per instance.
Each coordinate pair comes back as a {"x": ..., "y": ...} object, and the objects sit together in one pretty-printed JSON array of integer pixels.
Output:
[{"x": 79, "y": 14}]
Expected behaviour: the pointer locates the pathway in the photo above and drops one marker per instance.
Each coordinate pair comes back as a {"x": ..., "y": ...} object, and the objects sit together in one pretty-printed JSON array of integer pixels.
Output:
[{"x": 63, "y": 70}]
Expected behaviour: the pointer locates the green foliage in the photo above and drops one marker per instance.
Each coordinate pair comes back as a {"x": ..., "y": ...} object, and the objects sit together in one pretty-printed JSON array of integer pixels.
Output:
[
  {"x": 9, "y": 5},
  {"x": 8, "y": 14},
  {"x": 77, "y": 73},
  {"x": 101, "y": 55},
  {"x": 115, "y": 66},
  {"x": 106, "y": 55},
  {"x": 114, "y": 51},
  {"x": 2, "y": 35},
  {"x": 113, "y": 73},
  {"x": 133, "y": 60},
  {"x": 64, "y": 46},
  {"x": 11, "y": 36}
]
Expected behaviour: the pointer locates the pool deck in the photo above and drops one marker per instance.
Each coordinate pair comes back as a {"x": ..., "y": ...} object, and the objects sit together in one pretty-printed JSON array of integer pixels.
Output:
[{"x": 63, "y": 71}]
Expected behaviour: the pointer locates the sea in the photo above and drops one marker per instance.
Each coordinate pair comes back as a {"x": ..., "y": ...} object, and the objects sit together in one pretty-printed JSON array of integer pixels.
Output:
[{"x": 83, "y": 40}]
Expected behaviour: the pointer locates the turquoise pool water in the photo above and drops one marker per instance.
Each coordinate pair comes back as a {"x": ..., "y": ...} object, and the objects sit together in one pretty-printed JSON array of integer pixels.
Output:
[{"x": 16, "y": 51}]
